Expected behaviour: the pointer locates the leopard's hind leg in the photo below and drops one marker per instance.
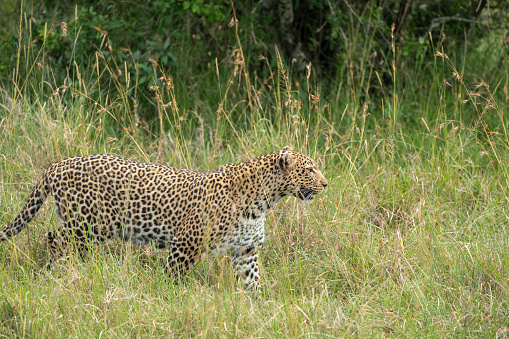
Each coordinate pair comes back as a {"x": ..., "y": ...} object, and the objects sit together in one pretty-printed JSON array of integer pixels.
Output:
[{"x": 72, "y": 236}]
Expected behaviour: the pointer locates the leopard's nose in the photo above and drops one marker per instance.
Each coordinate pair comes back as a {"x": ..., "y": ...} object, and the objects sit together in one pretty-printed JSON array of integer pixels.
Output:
[{"x": 324, "y": 185}]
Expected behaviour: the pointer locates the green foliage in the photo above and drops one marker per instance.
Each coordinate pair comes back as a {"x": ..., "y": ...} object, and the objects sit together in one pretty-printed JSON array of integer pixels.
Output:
[
  {"x": 212, "y": 11},
  {"x": 138, "y": 43}
]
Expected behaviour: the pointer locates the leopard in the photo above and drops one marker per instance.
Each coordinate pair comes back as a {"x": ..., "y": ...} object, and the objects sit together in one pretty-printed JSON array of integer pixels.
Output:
[{"x": 189, "y": 213}]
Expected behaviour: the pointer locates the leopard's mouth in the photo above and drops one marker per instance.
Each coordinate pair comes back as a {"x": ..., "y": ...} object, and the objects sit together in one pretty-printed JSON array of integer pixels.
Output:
[{"x": 307, "y": 195}]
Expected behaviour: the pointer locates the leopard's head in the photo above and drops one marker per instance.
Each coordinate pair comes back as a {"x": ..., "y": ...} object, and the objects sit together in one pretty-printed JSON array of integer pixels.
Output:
[{"x": 301, "y": 176}]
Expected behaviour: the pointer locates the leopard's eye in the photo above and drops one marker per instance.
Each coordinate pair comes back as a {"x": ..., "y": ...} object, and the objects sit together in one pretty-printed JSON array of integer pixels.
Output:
[{"x": 311, "y": 170}]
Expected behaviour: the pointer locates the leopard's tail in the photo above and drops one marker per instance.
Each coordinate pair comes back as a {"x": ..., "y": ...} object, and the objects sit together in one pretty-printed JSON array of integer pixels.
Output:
[{"x": 28, "y": 212}]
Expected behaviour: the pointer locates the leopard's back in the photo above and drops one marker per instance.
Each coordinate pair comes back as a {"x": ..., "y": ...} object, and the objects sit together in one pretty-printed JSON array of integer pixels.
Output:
[{"x": 120, "y": 198}]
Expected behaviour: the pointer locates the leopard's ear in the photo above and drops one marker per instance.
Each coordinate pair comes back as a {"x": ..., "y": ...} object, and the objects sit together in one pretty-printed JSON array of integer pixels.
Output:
[{"x": 287, "y": 159}]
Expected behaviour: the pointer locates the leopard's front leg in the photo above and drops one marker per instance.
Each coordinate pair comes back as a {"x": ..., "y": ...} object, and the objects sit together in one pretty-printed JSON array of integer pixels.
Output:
[
  {"x": 246, "y": 268},
  {"x": 180, "y": 258}
]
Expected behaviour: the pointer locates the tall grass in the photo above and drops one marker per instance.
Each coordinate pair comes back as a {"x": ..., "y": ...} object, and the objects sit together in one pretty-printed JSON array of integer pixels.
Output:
[{"x": 409, "y": 240}]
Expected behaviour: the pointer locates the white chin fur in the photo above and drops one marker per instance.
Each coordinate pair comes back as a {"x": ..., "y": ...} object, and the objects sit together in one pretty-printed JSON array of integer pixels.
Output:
[{"x": 308, "y": 201}]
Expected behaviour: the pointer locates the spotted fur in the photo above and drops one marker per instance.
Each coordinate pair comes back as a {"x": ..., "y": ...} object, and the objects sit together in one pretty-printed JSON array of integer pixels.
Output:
[{"x": 101, "y": 197}]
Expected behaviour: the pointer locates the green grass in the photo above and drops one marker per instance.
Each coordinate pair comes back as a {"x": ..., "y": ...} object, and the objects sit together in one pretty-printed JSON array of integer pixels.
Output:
[{"x": 410, "y": 239}]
